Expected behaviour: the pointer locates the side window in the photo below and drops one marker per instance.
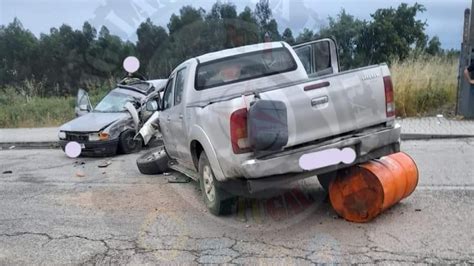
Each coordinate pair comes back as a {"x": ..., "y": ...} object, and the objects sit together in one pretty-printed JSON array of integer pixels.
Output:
[
  {"x": 179, "y": 88},
  {"x": 168, "y": 96},
  {"x": 322, "y": 57},
  {"x": 304, "y": 53}
]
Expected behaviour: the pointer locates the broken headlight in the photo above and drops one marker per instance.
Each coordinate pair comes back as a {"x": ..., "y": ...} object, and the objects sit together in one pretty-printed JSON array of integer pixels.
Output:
[
  {"x": 62, "y": 135},
  {"x": 94, "y": 137},
  {"x": 98, "y": 136}
]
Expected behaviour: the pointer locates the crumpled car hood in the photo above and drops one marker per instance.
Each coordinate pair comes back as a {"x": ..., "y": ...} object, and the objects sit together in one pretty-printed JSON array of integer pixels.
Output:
[{"x": 93, "y": 122}]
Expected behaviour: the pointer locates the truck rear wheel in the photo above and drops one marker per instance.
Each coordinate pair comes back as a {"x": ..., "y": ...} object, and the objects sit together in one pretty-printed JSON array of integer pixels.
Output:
[
  {"x": 217, "y": 200},
  {"x": 326, "y": 179}
]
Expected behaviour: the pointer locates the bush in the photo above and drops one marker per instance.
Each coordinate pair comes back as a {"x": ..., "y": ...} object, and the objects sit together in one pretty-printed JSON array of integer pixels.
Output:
[
  {"x": 425, "y": 85},
  {"x": 19, "y": 111}
]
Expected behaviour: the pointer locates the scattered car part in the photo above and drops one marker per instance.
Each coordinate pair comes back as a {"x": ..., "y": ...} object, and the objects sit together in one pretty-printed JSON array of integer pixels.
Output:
[
  {"x": 154, "y": 162},
  {"x": 80, "y": 174},
  {"x": 362, "y": 192},
  {"x": 7, "y": 172},
  {"x": 133, "y": 112},
  {"x": 104, "y": 164},
  {"x": 178, "y": 178},
  {"x": 150, "y": 129}
]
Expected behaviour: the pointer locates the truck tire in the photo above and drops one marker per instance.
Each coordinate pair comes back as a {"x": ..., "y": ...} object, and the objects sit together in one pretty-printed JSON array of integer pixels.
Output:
[
  {"x": 127, "y": 144},
  {"x": 217, "y": 200},
  {"x": 326, "y": 179},
  {"x": 154, "y": 162}
]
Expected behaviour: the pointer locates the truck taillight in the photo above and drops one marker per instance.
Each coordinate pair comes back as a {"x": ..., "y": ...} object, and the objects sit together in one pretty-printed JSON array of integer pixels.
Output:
[
  {"x": 389, "y": 98},
  {"x": 238, "y": 131}
]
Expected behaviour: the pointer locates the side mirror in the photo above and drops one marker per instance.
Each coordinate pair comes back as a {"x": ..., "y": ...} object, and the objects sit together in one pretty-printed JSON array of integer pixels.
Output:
[
  {"x": 151, "y": 106},
  {"x": 84, "y": 107}
]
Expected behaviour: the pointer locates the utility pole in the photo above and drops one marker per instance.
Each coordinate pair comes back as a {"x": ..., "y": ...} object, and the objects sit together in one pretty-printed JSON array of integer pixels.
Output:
[{"x": 465, "y": 96}]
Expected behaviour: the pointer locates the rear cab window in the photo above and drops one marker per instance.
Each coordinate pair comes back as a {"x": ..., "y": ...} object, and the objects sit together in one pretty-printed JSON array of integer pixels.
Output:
[{"x": 244, "y": 67}]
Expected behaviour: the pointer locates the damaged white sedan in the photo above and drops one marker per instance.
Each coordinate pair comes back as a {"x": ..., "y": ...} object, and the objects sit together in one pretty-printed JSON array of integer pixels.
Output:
[{"x": 113, "y": 124}]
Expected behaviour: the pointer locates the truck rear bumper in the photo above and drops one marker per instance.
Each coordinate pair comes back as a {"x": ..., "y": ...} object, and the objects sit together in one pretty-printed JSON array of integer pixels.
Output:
[{"x": 371, "y": 144}]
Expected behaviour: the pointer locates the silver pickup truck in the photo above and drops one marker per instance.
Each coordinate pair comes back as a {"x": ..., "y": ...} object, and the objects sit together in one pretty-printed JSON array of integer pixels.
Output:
[{"x": 250, "y": 118}]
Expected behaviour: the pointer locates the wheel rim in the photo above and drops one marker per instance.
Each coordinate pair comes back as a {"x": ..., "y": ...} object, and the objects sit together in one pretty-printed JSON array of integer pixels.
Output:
[
  {"x": 154, "y": 155},
  {"x": 208, "y": 179},
  {"x": 132, "y": 144}
]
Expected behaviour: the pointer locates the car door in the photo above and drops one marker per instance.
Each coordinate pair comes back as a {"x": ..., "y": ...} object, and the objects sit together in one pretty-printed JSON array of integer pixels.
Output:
[
  {"x": 177, "y": 119},
  {"x": 83, "y": 103},
  {"x": 165, "y": 118},
  {"x": 319, "y": 57}
]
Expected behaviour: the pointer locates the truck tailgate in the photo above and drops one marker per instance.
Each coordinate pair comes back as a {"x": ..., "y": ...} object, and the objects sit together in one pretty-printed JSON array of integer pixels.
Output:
[{"x": 333, "y": 105}]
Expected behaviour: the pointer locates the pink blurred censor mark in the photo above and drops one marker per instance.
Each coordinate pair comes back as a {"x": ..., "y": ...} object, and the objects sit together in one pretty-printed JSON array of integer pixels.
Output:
[
  {"x": 131, "y": 64},
  {"x": 73, "y": 149},
  {"x": 321, "y": 159}
]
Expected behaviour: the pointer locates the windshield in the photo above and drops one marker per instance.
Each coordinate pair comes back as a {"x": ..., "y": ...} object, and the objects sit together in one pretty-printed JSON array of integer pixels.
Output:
[
  {"x": 113, "y": 102},
  {"x": 244, "y": 67}
]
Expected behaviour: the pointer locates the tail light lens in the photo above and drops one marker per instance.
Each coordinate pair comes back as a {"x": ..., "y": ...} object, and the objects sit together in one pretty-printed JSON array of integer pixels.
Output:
[
  {"x": 238, "y": 131},
  {"x": 389, "y": 97}
]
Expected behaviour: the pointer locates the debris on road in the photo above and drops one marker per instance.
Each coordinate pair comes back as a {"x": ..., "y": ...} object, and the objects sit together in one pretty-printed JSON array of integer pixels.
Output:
[
  {"x": 76, "y": 163},
  {"x": 12, "y": 147},
  {"x": 418, "y": 210},
  {"x": 80, "y": 174},
  {"x": 7, "y": 172},
  {"x": 178, "y": 179},
  {"x": 104, "y": 164}
]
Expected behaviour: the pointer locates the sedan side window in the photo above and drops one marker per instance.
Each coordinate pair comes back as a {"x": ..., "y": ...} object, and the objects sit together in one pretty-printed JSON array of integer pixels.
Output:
[{"x": 168, "y": 97}]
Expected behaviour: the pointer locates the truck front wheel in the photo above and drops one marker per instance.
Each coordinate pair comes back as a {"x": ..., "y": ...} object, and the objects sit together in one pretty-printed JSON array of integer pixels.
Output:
[
  {"x": 217, "y": 200},
  {"x": 127, "y": 143}
]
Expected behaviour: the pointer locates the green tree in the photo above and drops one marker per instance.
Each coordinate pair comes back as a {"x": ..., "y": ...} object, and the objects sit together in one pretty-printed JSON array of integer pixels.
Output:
[
  {"x": 150, "y": 39},
  {"x": 305, "y": 36},
  {"x": 434, "y": 46},
  {"x": 249, "y": 29},
  {"x": 187, "y": 15},
  {"x": 344, "y": 29},
  {"x": 266, "y": 22},
  {"x": 391, "y": 34},
  {"x": 288, "y": 36},
  {"x": 18, "y": 53}
]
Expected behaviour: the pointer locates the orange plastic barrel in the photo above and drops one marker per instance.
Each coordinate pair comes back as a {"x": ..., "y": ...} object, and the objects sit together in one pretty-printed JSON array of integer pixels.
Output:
[{"x": 362, "y": 192}]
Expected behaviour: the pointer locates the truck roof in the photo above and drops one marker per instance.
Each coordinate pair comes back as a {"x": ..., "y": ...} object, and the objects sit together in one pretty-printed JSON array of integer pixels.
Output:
[{"x": 239, "y": 50}]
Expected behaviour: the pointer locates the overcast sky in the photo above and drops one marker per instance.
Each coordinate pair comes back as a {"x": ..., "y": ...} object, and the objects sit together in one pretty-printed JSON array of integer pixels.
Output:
[{"x": 444, "y": 17}]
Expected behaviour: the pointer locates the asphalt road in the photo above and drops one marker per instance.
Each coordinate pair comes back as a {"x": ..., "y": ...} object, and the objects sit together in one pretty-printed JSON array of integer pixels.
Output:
[{"x": 50, "y": 215}]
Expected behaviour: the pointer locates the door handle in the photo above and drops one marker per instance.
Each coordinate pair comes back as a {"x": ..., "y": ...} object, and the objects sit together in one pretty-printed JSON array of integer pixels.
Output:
[
  {"x": 168, "y": 118},
  {"x": 181, "y": 116},
  {"x": 317, "y": 102}
]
